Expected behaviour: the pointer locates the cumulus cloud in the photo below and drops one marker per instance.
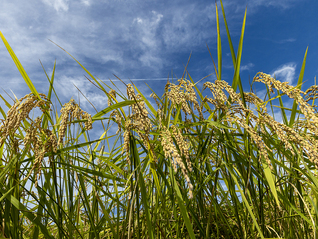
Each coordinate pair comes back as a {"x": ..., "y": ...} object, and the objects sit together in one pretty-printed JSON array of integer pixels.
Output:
[
  {"x": 57, "y": 4},
  {"x": 285, "y": 73},
  {"x": 87, "y": 2},
  {"x": 247, "y": 67}
]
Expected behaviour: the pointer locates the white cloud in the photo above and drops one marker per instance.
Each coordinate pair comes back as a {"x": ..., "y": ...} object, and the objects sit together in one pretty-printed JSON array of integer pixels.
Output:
[
  {"x": 287, "y": 40},
  {"x": 147, "y": 27},
  {"x": 57, "y": 4},
  {"x": 181, "y": 28},
  {"x": 285, "y": 73},
  {"x": 86, "y": 2},
  {"x": 65, "y": 86},
  {"x": 281, "y": 3},
  {"x": 112, "y": 55},
  {"x": 247, "y": 67}
]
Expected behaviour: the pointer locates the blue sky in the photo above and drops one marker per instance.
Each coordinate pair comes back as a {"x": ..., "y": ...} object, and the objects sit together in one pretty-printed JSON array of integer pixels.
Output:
[{"x": 144, "y": 40}]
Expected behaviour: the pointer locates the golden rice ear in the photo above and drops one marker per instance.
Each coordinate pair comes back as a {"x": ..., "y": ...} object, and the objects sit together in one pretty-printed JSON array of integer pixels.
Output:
[
  {"x": 69, "y": 112},
  {"x": 138, "y": 121},
  {"x": 19, "y": 112},
  {"x": 39, "y": 140},
  {"x": 171, "y": 152},
  {"x": 112, "y": 94}
]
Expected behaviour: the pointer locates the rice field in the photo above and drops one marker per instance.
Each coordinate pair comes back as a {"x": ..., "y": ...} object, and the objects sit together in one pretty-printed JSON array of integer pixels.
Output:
[{"x": 210, "y": 163}]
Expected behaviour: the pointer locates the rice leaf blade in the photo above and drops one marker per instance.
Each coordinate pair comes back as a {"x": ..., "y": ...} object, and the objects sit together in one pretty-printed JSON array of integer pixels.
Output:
[
  {"x": 299, "y": 84},
  {"x": 19, "y": 66}
]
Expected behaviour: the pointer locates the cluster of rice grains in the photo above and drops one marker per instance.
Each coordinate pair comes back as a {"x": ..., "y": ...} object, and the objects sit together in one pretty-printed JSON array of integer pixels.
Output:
[
  {"x": 138, "y": 121},
  {"x": 114, "y": 114},
  {"x": 236, "y": 112},
  {"x": 175, "y": 145},
  {"x": 305, "y": 141},
  {"x": 235, "y": 108},
  {"x": 171, "y": 152},
  {"x": 69, "y": 112},
  {"x": 40, "y": 140},
  {"x": 183, "y": 93}
]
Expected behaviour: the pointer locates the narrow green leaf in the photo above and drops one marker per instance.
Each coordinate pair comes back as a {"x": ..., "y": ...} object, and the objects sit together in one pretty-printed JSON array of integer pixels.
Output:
[
  {"x": 282, "y": 108},
  {"x": 155, "y": 179},
  {"x": 47, "y": 116},
  {"x": 218, "y": 124},
  {"x": 6, "y": 193},
  {"x": 86, "y": 202},
  {"x": 236, "y": 77},
  {"x": 19, "y": 66},
  {"x": 81, "y": 66},
  {"x": 143, "y": 191},
  {"x": 271, "y": 183},
  {"x": 49, "y": 95},
  {"x": 113, "y": 107},
  {"x": 107, "y": 216},
  {"x": 146, "y": 101},
  {"x": 12, "y": 162},
  {"x": 234, "y": 176},
  {"x": 219, "y": 46},
  {"x": 228, "y": 36},
  {"x": 299, "y": 84},
  {"x": 183, "y": 209},
  {"x": 6, "y": 102},
  {"x": 80, "y": 169},
  {"x": 15, "y": 202}
]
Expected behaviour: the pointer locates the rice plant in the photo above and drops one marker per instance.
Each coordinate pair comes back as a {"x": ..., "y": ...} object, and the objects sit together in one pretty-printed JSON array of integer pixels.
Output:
[{"x": 201, "y": 164}]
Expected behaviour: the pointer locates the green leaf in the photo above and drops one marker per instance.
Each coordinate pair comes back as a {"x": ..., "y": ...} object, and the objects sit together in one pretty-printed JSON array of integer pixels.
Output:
[
  {"x": 219, "y": 45},
  {"x": 236, "y": 62},
  {"x": 146, "y": 101},
  {"x": 218, "y": 124},
  {"x": 7, "y": 192},
  {"x": 19, "y": 66},
  {"x": 236, "y": 78},
  {"x": 12, "y": 162},
  {"x": 245, "y": 200},
  {"x": 143, "y": 190},
  {"x": 113, "y": 107},
  {"x": 15, "y": 202},
  {"x": 299, "y": 84},
  {"x": 180, "y": 200},
  {"x": 271, "y": 183}
]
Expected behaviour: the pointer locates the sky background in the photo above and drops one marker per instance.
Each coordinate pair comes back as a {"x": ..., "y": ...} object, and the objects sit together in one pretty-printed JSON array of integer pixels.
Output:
[{"x": 145, "y": 40}]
